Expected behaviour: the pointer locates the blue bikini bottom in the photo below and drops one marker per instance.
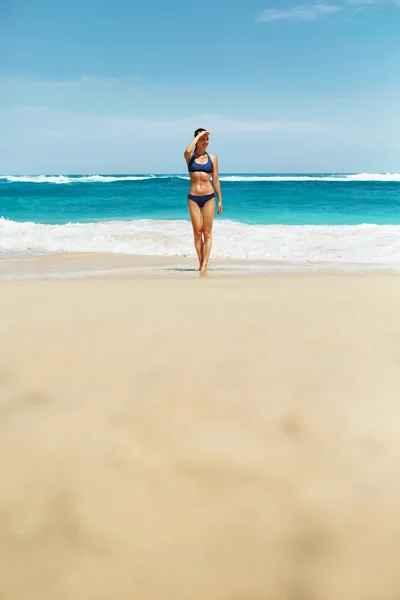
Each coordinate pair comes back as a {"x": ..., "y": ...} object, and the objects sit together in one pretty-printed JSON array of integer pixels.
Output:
[{"x": 201, "y": 200}]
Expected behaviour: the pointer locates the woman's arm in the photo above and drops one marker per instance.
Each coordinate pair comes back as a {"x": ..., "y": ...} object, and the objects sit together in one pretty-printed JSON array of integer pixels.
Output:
[
  {"x": 190, "y": 147},
  {"x": 216, "y": 183}
]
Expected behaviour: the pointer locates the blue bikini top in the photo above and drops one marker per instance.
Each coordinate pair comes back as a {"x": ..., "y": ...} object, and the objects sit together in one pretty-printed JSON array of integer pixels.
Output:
[{"x": 195, "y": 166}]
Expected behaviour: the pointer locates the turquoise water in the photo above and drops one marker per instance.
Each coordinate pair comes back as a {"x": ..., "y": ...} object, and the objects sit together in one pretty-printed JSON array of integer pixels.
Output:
[
  {"x": 323, "y": 217},
  {"x": 253, "y": 199}
]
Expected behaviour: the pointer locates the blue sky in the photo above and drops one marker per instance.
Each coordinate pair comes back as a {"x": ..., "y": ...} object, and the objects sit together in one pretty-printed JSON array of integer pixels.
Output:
[{"x": 101, "y": 87}]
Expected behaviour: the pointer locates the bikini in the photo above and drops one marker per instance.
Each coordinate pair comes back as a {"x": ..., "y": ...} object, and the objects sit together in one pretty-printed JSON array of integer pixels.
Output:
[{"x": 206, "y": 168}]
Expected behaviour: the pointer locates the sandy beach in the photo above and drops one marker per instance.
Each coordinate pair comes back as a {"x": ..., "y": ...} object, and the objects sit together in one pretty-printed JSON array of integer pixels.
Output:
[{"x": 217, "y": 438}]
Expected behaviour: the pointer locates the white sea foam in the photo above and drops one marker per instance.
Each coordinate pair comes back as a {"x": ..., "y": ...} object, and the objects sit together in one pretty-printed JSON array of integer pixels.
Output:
[
  {"x": 79, "y": 179},
  {"x": 367, "y": 244},
  {"x": 388, "y": 177},
  {"x": 382, "y": 177},
  {"x": 63, "y": 179}
]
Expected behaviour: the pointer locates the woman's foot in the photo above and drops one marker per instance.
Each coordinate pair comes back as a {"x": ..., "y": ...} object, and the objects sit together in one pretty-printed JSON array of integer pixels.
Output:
[{"x": 203, "y": 269}]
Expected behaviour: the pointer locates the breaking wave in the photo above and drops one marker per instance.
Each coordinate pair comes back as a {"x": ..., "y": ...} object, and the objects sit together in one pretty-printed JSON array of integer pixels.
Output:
[{"x": 372, "y": 244}]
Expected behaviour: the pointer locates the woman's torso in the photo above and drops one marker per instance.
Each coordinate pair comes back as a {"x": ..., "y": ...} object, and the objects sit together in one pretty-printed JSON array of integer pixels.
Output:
[{"x": 200, "y": 172}]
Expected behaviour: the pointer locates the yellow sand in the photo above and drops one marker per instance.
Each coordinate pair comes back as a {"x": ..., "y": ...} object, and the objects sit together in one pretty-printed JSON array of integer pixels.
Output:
[{"x": 200, "y": 439}]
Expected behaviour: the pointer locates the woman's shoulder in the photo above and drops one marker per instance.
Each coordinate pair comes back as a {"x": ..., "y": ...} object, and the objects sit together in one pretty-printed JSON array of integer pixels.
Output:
[{"x": 213, "y": 156}]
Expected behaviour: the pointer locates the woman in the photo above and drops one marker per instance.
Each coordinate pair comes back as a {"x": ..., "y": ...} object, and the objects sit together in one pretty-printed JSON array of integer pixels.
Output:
[{"x": 201, "y": 198}]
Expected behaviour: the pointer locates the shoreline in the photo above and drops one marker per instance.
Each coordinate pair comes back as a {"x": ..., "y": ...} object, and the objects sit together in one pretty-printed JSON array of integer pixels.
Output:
[{"x": 86, "y": 265}]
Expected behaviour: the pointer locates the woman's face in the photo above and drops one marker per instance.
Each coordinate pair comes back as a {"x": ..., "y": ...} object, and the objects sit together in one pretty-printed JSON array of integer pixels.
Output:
[{"x": 203, "y": 141}]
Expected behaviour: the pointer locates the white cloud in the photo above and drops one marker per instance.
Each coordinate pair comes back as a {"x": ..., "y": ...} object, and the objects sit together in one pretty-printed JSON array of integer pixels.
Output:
[
  {"x": 55, "y": 122},
  {"x": 302, "y": 12},
  {"x": 312, "y": 12},
  {"x": 369, "y": 2},
  {"x": 84, "y": 80},
  {"x": 48, "y": 140},
  {"x": 363, "y": 5},
  {"x": 228, "y": 125},
  {"x": 45, "y": 127},
  {"x": 362, "y": 2},
  {"x": 107, "y": 80}
]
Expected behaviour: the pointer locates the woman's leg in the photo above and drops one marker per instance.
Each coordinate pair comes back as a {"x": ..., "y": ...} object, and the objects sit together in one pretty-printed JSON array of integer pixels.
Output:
[
  {"x": 196, "y": 218},
  {"x": 208, "y": 219}
]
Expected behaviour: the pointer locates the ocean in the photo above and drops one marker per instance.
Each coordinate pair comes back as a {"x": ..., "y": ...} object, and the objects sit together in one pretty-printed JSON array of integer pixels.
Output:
[{"x": 320, "y": 218}]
